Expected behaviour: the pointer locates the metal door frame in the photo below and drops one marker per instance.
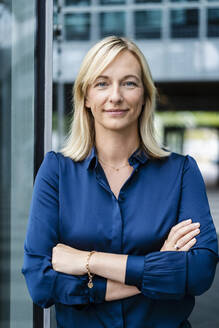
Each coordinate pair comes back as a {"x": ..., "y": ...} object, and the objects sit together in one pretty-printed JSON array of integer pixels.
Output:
[{"x": 43, "y": 107}]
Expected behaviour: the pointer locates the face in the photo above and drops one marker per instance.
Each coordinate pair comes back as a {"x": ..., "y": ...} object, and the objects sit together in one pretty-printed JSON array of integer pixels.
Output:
[{"x": 117, "y": 95}]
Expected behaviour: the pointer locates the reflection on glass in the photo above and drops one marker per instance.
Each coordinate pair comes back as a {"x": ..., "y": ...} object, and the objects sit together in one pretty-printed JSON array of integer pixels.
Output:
[
  {"x": 112, "y": 2},
  {"x": 147, "y": 1},
  {"x": 16, "y": 155},
  {"x": 112, "y": 23},
  {"x": 148, "y": 24},
  {"x": 77, "y": 2},
  {"x": 184, "y": 0},
  {"x": 184, "y": 23},
  {"x": 77, "y": 26},
  {"x": 213, "y": 22},
  {"x": 55, "y": 18}
]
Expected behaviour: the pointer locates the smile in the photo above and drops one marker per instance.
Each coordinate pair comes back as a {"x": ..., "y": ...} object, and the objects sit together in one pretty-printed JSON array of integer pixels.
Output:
[{"x": 116, "y": 110}]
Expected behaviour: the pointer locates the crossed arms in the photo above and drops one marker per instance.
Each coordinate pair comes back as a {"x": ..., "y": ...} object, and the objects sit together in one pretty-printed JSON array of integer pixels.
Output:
[{"x": 56, "y": 273}]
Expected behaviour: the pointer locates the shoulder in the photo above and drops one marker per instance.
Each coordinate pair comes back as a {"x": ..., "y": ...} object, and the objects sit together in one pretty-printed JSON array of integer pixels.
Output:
[
  {"x": 187, "y": 160},
  {"x": 58, "y": 162},
  {"x": 176, "y": 157},
  {"x": 178, "y": 162},
  {"x": 50, "y": 161},
  {"x": 54, "y": 158},
  {"x": 48, "y": 172},
  {"x": 49, "y": 167},
  {"x": 186, "y": 164},
  {"x": 173, "y": 159}
]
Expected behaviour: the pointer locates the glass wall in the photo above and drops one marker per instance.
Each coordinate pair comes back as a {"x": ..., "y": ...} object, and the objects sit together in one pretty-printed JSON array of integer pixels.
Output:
[
  {"x": 184, "y": 23},
  {"x": 77, "y": 26},
  {"x": 17, "y": 32},
  {"x": 148, "y": 24},
  {"x": 85, "y": 20},
  {"x": 213, "y": 22},
  {"x": 112, "y": 23}
]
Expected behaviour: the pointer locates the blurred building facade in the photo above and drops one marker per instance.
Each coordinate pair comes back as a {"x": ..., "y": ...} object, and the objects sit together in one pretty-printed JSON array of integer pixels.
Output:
[{"x": 180, "y": 39}]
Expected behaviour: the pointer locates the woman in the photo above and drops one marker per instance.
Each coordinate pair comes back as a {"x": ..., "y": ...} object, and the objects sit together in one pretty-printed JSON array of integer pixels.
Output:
[{"x": 120, "y": 232}]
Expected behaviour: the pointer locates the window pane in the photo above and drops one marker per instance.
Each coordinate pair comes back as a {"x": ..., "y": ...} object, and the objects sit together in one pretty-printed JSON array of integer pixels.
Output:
[
  {"x": 112, "y": 2},
  {"x": 16, "y": 155},
  {"x": 77, "y": 2},
  {"x": 184, "y": 0},
  {"x": 148, "y": 24},
  {"x": 184, "y": 23},
  {"x": 147, "y": 1},
  {"x": 213, "y": 22},
  {"x": 77, "y": 26},
  {"x": 112, "y": 24}
]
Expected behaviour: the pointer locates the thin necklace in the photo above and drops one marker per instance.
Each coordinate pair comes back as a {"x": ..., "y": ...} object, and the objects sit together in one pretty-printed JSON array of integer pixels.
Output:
[{"x": 115, "y": 168}]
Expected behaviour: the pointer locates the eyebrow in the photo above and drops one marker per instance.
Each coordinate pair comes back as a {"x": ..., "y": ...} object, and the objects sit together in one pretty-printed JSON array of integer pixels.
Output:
[{"x": 124, "y": 77}]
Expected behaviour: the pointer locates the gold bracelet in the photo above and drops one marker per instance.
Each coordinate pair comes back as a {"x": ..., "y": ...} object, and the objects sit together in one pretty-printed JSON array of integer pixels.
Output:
[{"x": 90, "y": 283}]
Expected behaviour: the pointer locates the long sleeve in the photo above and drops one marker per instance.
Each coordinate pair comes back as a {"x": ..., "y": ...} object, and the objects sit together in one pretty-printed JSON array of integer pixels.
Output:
[
  {"x": 171, "y": 275},
  {"x": 45, "y": 285}
]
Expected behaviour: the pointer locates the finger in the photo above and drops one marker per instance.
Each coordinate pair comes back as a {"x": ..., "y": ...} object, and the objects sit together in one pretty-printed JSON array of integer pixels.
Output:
[
  {"x": 182, "y": 232},
  {"x": 179, "y": 226},
  {"x": 187, "y": 247},
  {"x": 189, "y": 236}
]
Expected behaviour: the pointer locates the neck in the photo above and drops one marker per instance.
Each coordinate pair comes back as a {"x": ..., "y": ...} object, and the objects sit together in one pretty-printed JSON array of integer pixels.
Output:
[{"x": 115, "y": 147}]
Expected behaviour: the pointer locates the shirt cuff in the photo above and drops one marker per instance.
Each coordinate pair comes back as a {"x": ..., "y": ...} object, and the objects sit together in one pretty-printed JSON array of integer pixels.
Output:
[
  {"x": 98, "y": 291},
  {"x": 134, "y": 270}
]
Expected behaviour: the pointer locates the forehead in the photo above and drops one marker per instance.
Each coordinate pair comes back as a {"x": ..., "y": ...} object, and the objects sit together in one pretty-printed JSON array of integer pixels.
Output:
[{"x": 124, "y": 63}]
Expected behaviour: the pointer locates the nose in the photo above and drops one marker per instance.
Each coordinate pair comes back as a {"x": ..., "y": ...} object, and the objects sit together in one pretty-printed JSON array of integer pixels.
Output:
[{"x": 116, "y": 95}]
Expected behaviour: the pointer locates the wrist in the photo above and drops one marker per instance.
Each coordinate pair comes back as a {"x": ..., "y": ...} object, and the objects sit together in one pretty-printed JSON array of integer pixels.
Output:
[
  {"x": 92, "y": 262},
  {"x": 108, "y": 265},
  {"x": 85, "y": 256},
  {"x": 90, "y": 275}
]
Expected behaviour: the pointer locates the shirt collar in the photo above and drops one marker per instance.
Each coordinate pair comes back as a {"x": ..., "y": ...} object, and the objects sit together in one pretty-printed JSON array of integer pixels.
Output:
[
  {"x": 139, "y": 155},
  {"x": 91, "y": 160}
]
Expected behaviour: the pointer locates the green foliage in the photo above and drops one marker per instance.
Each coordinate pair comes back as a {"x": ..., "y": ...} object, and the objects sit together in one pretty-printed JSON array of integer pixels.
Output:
[{"x": 189, "y": 119}]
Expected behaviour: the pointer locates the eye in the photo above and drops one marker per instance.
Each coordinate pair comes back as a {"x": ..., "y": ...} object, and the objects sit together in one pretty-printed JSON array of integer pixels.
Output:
[
  {"x": 100, "y": 84},
  {"x": 130, "y": 84}
]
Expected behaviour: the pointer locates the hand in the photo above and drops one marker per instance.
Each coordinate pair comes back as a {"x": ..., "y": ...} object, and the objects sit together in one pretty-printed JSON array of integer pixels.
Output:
[
  {"x": 182, "y": 236},
  {"x": 69, "y": 260}
]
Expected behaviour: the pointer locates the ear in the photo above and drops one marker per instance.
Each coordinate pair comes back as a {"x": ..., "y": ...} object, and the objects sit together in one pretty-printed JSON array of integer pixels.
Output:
[{"x": 87, "y": 103}]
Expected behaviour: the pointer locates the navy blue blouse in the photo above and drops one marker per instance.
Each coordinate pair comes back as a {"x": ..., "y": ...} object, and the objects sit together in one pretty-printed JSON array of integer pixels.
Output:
[{"x": 73, "y": 204}]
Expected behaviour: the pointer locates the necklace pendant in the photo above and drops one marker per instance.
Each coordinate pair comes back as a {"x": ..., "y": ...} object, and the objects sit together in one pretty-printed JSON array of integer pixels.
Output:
[{"x": 90, "y": 284}]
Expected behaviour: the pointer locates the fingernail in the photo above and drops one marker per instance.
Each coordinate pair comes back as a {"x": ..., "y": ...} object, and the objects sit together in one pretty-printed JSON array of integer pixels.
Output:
[
  {"x": 197, "y": 230},
  {"x": 197, "y": 224},
  {"x": 189, "y": 220}
]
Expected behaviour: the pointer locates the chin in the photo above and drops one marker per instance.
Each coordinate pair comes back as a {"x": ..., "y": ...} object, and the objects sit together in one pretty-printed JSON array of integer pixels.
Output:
[{"x": 117, "y": 127}]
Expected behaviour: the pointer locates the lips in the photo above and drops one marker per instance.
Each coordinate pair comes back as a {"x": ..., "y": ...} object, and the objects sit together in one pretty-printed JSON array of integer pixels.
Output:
[{"x": 115, "y": 110}]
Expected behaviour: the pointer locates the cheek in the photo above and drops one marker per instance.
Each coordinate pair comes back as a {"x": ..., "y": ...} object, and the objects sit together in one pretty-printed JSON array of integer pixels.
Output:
[
  {"x": 137, "y": 99},
  {"x": 95, "y": 100}
]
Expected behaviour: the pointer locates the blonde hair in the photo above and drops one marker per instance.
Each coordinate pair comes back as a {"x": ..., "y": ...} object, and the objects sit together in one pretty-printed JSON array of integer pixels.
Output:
[{"x": 81, "y": 136}]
